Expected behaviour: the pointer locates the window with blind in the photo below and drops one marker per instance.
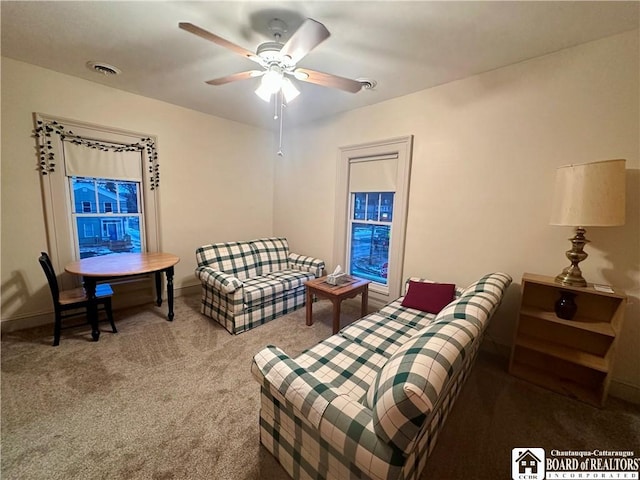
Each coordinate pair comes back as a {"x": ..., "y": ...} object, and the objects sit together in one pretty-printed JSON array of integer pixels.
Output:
[
  {"x": 105, "y": 200},
  {"x": 100, "y": 191},
  {"x": 372, "y": 185},
  {"x": 371, "y": 203}
]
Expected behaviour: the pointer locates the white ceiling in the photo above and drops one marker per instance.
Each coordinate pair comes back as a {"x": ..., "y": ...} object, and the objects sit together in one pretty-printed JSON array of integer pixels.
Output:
[{"x": 404, "y": 46}]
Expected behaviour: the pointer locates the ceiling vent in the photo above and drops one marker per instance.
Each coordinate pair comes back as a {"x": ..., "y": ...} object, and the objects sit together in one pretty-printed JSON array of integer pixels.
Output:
[
  {"x": 103, "y": 68},
  {"x": 367, "y": 83}
]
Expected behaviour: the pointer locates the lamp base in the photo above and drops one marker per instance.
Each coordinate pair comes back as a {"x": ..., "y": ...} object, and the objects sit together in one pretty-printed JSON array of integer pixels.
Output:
[
  {"x": 571, "y": 279},
  {"x": 572, "y": 275}
]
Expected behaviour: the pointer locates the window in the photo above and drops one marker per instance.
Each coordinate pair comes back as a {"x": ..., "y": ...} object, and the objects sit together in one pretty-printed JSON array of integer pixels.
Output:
[
  {"x": 120, "y": 231},
  {"x": 88, "y": 230},
  {"x": 100, "y": 191},
  {"x": 370, "y": 239},
  {"x": 371, "y": 205}
]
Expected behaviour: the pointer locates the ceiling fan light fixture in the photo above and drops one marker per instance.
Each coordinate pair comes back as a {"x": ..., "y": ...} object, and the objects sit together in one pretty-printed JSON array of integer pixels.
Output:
[
  {"x": 272, "y": 80},
  {"x": 264, "y": 93},
  {"x": 289, "y": 90}
]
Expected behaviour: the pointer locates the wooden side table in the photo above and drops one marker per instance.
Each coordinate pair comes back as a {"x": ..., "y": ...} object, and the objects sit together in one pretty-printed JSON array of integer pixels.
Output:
[{"x": 336, "y": 293}]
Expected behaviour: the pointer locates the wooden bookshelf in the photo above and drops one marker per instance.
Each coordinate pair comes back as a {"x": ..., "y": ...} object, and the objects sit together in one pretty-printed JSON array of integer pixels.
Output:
[{"x": 571, "y": 357}]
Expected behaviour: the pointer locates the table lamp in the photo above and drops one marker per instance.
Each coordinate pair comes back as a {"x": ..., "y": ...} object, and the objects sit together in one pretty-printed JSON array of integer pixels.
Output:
[{"x": 587, "y": 195}]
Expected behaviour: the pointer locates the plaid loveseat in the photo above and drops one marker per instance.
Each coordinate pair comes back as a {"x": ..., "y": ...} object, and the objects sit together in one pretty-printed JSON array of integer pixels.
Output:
[
  {"x": 369, "y": 402},
  {"x": 245, "y": 284}
]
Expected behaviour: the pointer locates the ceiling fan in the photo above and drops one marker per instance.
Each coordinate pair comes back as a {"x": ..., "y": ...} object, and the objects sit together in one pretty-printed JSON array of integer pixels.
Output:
[{"x": 279, "y": 60}]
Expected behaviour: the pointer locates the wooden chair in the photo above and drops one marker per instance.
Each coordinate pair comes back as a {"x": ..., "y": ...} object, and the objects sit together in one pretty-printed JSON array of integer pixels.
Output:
[{"x": 64, "y": 301}]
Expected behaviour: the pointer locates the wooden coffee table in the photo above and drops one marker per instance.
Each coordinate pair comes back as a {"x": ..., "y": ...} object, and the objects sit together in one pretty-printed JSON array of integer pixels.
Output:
[{"x": 336, "y": 293}]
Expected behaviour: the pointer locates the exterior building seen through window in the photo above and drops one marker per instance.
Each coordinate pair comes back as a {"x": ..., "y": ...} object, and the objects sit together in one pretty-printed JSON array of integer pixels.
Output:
[
  {"x": 370, "y": 235},
  {"x": 107, "y": 216}
]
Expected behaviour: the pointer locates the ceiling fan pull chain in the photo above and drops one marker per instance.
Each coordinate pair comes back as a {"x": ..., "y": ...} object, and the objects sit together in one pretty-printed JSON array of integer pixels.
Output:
[
  {"x": 275, "y": 105},
  {"x": 279, "y": 96}
]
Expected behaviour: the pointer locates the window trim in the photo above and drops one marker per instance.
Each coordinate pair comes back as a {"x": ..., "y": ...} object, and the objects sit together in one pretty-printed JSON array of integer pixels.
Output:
[
  {"x": 402, "y": 147},
  {"x": 56, "y": 192}
]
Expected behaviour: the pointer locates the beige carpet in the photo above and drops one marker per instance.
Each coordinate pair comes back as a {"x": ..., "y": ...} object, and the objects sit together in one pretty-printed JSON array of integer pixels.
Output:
[{"x": 163, "y": 400}]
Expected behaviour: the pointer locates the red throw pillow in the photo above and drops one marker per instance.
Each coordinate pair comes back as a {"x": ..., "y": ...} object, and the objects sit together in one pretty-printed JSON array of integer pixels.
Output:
[{"x": 429, "y": 297}]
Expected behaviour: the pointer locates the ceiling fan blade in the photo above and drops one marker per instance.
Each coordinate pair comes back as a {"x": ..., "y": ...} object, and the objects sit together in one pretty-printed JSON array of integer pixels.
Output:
[
  {"x": 306, "y": 38},
  {"x": 191, "y": 28},
  {"x": 235, "y": 77},
  {"x": 328, "y": 80}
]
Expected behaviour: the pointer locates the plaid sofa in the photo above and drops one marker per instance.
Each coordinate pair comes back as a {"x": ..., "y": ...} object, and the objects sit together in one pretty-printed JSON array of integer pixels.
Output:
[
  {"x": 245, "y": 284},
  {"x": 369, "y": 402}
]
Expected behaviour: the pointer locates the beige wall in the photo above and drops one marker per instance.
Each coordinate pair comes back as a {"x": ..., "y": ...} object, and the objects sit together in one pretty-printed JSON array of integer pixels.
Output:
[
  {"x": 216, "y": 184},
  {"x": 485, "y": 153}
]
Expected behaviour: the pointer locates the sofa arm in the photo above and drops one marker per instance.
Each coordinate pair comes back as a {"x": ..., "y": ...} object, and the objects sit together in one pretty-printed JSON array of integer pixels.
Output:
[
  {"x": 342, "y": 422},
  {"x": 306, "y": 264},
  {"x": 299, "y": 387},
  {"x": 224, "y": 282}
]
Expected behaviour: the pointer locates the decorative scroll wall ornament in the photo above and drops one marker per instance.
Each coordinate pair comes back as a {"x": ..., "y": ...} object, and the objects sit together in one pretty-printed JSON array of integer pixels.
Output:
[{"x": 47, "y": 160}]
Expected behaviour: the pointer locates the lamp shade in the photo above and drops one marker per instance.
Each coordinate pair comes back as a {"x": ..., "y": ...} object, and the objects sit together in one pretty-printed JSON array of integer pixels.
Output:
[{"x": 590, "y": 194}]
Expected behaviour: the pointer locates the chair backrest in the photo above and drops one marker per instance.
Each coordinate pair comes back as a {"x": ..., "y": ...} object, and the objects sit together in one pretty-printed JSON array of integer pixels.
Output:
[{"x": 47, "y": 266}]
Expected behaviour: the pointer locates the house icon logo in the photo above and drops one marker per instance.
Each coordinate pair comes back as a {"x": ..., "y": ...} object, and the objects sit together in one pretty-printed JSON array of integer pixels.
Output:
[{"x": 527, "y": 464}]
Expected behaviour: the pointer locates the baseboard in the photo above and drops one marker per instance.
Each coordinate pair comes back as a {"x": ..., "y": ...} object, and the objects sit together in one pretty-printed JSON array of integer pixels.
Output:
[
  {"x": 491, "y": 346},
  {"x": 29, "y": 321},
  {"x": 624, "y": 391},
  {"x": 621, "y": 390},
  {"x": 374, "y": 304},
  {"x": 124, "y": 300}
]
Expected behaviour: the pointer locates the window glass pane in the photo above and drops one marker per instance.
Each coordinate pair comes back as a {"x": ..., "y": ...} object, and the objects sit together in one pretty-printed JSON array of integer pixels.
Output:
[
  {"x": 107, "y": 194},
  {"x": 370, "y": 251},
  {"x": 109, "y": 233},
  {"x": 88, "y": 230},
  {"x": 84, "y": 194},
  {"x": 99, "y": 235},
  {"x": 373, "y": 200},
  {"x": 386, "y": 207},
  {"x": 128, "y": 197},
  {"x": 359, "y": 205}
]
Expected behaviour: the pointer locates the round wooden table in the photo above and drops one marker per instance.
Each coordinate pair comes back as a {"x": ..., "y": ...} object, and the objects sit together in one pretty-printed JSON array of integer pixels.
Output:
[{"x": 119, "y": 265}]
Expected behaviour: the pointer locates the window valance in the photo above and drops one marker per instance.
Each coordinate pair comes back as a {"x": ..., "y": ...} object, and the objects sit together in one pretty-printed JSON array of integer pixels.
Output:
[
  {"x": 91, "y": 165},
  {"x": 83, "y": 161},
  {"x": 373, "y": 174}
]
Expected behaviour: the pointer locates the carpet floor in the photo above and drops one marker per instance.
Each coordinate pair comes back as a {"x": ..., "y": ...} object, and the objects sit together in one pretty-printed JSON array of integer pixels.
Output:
[{"x": 176, "y": 400}]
